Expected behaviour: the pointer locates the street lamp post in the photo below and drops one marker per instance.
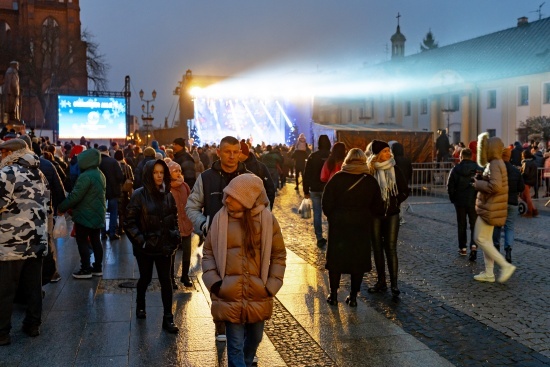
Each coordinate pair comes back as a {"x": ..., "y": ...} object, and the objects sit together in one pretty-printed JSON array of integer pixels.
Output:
[{"x": 148, "y": 111}]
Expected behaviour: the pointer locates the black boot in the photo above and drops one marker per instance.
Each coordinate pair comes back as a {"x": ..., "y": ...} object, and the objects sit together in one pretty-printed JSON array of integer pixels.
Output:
[
  {"x": 509, "y": 255},
  {"x": 186, "y": 280},
  {"x": 379, "y": 287},
  {"x": 351, "y": 300},
  {"x": 168, "y": 324},
  {"x": 140, "y": 310},
  {"x": 332, "y": 299}
]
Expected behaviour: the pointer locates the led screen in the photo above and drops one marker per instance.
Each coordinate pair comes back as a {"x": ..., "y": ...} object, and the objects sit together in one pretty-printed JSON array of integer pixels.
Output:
[{"x": 92, "y": 117}]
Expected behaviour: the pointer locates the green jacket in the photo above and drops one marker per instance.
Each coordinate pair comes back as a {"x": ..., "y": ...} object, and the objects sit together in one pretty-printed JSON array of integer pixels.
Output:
[{"x": 87, "y": 200}]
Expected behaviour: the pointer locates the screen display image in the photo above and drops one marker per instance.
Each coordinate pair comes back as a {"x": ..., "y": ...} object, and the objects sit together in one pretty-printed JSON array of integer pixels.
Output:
[{"x": 92, "y": 117}]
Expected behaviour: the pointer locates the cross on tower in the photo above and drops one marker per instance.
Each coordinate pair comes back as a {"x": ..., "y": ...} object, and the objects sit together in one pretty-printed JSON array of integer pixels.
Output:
[{"x": 398, "y": 16}]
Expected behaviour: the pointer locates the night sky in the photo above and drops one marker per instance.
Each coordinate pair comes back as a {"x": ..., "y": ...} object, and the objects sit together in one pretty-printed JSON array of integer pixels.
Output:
[{"x": 155, "y": 42}]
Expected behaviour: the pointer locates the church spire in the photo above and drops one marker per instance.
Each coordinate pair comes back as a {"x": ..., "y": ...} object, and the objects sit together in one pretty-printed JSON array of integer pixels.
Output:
[{"x": 398, "y": 42}]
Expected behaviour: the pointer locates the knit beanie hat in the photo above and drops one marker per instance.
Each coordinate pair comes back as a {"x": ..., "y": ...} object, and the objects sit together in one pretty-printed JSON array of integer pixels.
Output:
[
  {"x": 173, "y": 166},
  {"x": 77, "y": 149},
  {"x": 13, "y": 145},
  {"x": 378, "y": 146},
  {"x": 149, "y": 152},
  {"x": 244, "y": 149},
  {"x": 246, "y": 189}
]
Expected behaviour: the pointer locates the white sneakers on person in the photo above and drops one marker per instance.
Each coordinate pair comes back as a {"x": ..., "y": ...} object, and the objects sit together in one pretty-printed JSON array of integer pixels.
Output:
[
  {"x": 506, "y": 272},
  {"x": 255, "y": 360},
  {"x": 484, "y": 277}
]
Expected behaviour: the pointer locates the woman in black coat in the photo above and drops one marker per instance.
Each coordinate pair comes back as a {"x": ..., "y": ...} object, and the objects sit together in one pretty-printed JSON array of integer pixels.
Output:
[
  {"x": 394, "y": 190},
  {"x": 350, "y": 199},
  {"x": 152, "y": 226}
]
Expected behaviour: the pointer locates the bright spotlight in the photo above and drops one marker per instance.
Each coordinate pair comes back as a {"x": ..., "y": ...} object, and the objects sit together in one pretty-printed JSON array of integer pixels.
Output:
[{"x": 195, "y": 91}]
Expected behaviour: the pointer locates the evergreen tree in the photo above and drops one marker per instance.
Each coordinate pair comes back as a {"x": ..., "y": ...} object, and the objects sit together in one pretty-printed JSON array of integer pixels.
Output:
[
  {"x": 537, "y": 125},
  {"x": 194, "y": 134},
  {"x": 428, "y": 43}
]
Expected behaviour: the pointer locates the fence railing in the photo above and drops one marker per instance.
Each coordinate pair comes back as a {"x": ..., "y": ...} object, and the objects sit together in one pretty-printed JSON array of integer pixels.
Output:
[{"x": 430, "y": 179}]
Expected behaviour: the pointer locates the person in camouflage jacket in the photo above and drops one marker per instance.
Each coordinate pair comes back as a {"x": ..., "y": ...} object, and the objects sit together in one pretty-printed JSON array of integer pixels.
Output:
[{"x": 24, "y": 207}]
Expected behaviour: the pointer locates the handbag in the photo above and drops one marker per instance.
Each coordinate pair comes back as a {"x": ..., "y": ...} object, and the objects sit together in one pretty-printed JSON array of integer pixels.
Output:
[
  {"x": 305, "y": 208},
  {"x": 60, "y": 228}
]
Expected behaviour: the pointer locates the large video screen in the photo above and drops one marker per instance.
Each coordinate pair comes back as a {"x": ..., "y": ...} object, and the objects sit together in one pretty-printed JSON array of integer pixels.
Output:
[{"x": 92, "y": 117}]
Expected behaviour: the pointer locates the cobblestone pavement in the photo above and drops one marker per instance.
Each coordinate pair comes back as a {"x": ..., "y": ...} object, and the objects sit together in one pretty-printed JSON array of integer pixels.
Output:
[{"x": 466, "y": 322}]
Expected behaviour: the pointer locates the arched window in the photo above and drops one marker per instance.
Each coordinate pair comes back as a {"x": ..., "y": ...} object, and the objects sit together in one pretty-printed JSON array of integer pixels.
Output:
[
  {"x": 50, "y": 42},
  {"x": 5, "y": 35}
]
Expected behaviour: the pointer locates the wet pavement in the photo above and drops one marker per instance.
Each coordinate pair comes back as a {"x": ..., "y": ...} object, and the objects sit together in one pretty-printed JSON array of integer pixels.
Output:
[{"x": 442, "y": 318}]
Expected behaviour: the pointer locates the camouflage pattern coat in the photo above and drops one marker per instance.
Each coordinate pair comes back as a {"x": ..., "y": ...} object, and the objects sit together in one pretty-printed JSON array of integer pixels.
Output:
[{"x": 24, "y": 207}]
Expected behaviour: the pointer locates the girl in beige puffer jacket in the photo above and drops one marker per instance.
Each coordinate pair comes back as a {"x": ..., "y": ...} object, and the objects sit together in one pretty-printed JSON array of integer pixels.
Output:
[
  {"x": 244, "y": 260},
  {"x": 491, "y": 206}
]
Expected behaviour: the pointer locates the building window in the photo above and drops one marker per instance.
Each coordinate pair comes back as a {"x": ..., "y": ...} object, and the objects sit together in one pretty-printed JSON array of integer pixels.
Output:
[
  {"x": 492, "y": 132},
  {"x": 492, "y": 99},
  {"x": 407, "y": 108},
  {"x": 50, "y": 43},
  {"x": 361, "y": 112},
  {"x": 546, "y": 93},
  {"x": 392, "y": 107},
  {"x": 424, "y": 106},
  {"x": 455, "y": 102},
  {"x": 523, "y": 93}
]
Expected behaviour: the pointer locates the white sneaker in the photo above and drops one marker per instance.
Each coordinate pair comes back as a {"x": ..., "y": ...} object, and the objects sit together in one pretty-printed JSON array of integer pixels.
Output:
[
  {"x": 221, "y": 338},
  {"x": 484, "y": 277},
  {"x": 506, "y": 273},
  {"x": 255, "y": 360}
]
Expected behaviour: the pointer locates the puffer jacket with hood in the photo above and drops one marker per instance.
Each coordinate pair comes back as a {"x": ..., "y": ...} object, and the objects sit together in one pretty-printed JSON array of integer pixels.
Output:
[
  {"x": 492, "y": 196},
  {"x": 87, "y": 199},
  {"x": 243, "y": 296},
  {"x": 151, "y": 221},
  {"x": 24, "y": 207}
]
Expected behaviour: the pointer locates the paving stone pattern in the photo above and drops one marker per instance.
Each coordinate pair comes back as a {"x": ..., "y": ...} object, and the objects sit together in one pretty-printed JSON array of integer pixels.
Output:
[
  {"x": 293, "y": 343},
  {"x": 466, "y": 322}
]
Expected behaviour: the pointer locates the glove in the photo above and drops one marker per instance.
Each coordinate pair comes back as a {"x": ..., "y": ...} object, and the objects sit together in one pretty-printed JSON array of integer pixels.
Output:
[{"x": 204, "y": 229}]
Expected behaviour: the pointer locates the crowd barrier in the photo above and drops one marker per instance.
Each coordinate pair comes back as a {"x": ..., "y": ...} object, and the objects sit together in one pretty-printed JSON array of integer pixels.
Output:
[{"x": 430, "y": 180}]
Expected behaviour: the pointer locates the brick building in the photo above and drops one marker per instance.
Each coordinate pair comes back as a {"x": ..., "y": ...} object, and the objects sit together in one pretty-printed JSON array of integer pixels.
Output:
[{"x": 45, "y": 37}]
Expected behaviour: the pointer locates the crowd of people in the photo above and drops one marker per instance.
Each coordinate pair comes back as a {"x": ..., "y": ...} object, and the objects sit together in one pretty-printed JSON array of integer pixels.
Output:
[{"x": 158, "y": 196}]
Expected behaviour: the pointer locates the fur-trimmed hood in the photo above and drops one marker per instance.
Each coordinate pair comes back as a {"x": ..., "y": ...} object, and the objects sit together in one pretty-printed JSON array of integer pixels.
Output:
[
  {"x": 488, "y": 149},
  {"x": 23, "y": 157}
]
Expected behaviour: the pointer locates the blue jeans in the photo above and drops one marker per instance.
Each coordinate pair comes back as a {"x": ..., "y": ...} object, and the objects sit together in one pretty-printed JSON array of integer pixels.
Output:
[
  {"x": 242, "y": 342},
  {"x": 317, "y": 213},
  {"x": 508, "y": 228},
  {"x": 112, "y": 209}
]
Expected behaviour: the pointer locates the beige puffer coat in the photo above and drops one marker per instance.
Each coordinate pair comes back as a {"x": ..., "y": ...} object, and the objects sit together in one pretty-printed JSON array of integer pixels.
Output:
[
  {"x": 492, "y": 196},
  {"x": 243, "y": 296}
]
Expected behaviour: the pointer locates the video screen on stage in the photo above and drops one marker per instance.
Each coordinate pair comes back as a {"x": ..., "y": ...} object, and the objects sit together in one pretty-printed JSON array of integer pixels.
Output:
[
  {"x": 257, "y": 120},
  {"x": 92, "y": 117}
]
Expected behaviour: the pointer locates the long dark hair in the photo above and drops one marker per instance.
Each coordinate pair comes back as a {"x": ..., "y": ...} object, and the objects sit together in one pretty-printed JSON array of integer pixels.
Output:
[
  {"x": 337, "y": 154},
  {"x": 248, "y": 227}
]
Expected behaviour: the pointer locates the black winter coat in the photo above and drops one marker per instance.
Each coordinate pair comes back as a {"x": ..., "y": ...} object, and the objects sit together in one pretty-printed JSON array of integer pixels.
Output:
[
  {"x": 151, "y": 221},
  {"x": 515, "y": 183},
  {"x": 187, "y": 163},
  {"x": 529, "y": 172},
  {"x": 403, "y": 192},
  {"x": 54, "y": 182},
  {"x": 350, "y": 217},
  {"x": 260, "y": 170},
  {"x": 312, "y": 174},
  {"x": 404, "y": 163},
  {"x": 113, "y": 175},
  {"x": 459, "y": 186}
]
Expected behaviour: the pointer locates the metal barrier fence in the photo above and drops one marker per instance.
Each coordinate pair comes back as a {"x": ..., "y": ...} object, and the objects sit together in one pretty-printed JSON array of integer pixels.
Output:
[{"x": 430, "y": 179}]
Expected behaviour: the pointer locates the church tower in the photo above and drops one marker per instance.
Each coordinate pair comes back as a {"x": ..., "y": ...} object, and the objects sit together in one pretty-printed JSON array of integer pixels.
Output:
[{"x": 398, "y": 42}]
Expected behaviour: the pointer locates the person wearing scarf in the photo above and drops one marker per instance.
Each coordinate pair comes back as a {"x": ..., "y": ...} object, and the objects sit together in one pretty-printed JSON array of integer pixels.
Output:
[
  {"x": 151, "y": 225},
  {"x": 180, "y": 191},
  {"x": 244, "y": 261},
  {"x": 350, "y": 200},
  {"x": 394, "y": 190}
]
